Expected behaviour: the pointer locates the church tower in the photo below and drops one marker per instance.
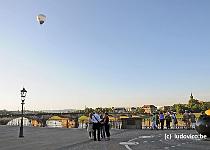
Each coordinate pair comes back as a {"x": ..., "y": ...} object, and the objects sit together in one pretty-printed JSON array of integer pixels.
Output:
[{"x": 191, "y": 96}]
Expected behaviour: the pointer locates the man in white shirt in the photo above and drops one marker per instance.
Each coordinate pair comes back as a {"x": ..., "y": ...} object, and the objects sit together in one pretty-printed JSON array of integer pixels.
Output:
[{"x": 96, "y": 125}]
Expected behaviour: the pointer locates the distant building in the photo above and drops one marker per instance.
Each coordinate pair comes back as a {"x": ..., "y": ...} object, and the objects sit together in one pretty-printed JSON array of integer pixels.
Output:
[
  {"x": 149, "y": 108},
  {"x": 119, "y": 110},
  {"x": 60, "y": 111},
  {"x": 17, "y": 122},
  {"x": 131, "y": 109},
  {"x": 60, "y": 122}
]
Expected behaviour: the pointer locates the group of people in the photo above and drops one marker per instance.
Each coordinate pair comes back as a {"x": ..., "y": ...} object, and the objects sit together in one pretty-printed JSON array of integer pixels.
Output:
[
  {"x": 189, "y": 119},
  {"x": 160, "y": 119},
  {"x": 98, "y": 124},
  {"x": 170, "y": 119}
]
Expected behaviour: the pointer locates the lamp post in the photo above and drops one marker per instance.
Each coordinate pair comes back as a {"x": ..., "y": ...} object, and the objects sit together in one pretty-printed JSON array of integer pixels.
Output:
[{"x": 23, "y": 95}]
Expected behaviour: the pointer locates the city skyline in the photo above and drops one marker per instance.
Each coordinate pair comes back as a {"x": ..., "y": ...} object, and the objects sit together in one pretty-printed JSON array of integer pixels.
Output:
[
  {"x": 187, "y": 105},
  {"x": 103, "y": 54}
]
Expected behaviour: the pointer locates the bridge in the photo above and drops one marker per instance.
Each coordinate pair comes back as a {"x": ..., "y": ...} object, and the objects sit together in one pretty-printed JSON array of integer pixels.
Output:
[{"x": 43, "y": 116}]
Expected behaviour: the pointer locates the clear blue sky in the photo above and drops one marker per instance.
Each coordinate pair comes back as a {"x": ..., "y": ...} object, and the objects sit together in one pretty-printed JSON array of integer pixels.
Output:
[{"x": 104, "y": 53}]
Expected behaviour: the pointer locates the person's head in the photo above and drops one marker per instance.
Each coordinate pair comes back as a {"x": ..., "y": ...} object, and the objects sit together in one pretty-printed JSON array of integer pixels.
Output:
[
  {"x": 90, "y": 115},
  {"x": 101, "y": 116},
  {"x": 106, "y": 114},
  {"x": 161, "y": 112}
]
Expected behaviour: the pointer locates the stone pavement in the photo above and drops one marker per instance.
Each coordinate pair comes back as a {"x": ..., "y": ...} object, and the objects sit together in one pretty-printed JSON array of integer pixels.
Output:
[{"x": 76, "y": 139}]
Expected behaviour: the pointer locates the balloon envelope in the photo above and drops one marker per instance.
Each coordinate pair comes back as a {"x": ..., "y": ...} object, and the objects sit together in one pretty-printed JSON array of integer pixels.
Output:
[
  {"x": 203, "y": 125},
  {"x": 41, "y": 18},
  {"x": 207, "y": 112}
]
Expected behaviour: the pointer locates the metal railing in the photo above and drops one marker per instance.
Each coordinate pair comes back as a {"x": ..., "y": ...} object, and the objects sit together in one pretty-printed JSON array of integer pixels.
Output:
[{"x": 147, "y": 124}]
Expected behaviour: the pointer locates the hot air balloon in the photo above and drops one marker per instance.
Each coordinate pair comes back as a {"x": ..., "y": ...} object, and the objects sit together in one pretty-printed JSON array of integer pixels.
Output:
[
  {"x": 203, "y": 124},
  {"x": 207, "y": 112},
  {"x": 41, "y": 18}
]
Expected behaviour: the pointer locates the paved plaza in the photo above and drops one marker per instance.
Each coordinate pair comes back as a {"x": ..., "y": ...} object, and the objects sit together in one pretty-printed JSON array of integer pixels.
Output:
[{"x": 76, "y": 139}]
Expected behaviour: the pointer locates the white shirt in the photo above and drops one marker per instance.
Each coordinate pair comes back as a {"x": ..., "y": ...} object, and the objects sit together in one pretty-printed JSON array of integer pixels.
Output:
[{"x": 96, "y": 119}]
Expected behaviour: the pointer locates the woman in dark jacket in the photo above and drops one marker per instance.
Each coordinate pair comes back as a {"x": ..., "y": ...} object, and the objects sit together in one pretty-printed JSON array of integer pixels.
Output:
[
  {"x": 107, "y": 126},
  {"x": 168, "y": 120}
]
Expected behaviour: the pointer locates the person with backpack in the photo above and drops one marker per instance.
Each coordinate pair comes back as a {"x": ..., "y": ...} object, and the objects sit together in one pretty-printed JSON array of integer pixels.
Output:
[{"x": 154, "y": 121}]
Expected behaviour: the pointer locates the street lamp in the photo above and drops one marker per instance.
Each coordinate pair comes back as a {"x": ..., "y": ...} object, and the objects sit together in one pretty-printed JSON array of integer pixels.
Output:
[
  {"x": 41, "y": 18},
  {"x": 23, "y": 95}
]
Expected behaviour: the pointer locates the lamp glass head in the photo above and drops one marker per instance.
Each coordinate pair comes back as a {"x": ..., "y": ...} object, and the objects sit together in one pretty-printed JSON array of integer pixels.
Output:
[{"x": 23, "y": 92}]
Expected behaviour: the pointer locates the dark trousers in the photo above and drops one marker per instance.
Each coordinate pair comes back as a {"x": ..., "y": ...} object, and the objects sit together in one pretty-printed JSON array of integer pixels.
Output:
[
  {"x": 107, "y": 130},
  {"x": 168, "y": 124},
  {"x": 90, "y": 134},
  {"x": 96, "y": 126},
  {"x": 162, "y": 124},
  {"x": 102, "y": 128}
]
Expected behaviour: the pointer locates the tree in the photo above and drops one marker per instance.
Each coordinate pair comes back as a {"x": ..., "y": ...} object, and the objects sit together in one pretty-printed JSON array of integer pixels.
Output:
[
  {"x": 88, "y": 110},
  {"x": 193, "y": 102},
  {"x": 196, "y": 108},
  {"x": 205, "y": 106},
  {"x": 99, "y": 110},
  {"x": 194, "y": 105},
  {"x": 108, "y": 110},
  {"x": 180, "y": 108},
  {"x": 139, "y": 110}
]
